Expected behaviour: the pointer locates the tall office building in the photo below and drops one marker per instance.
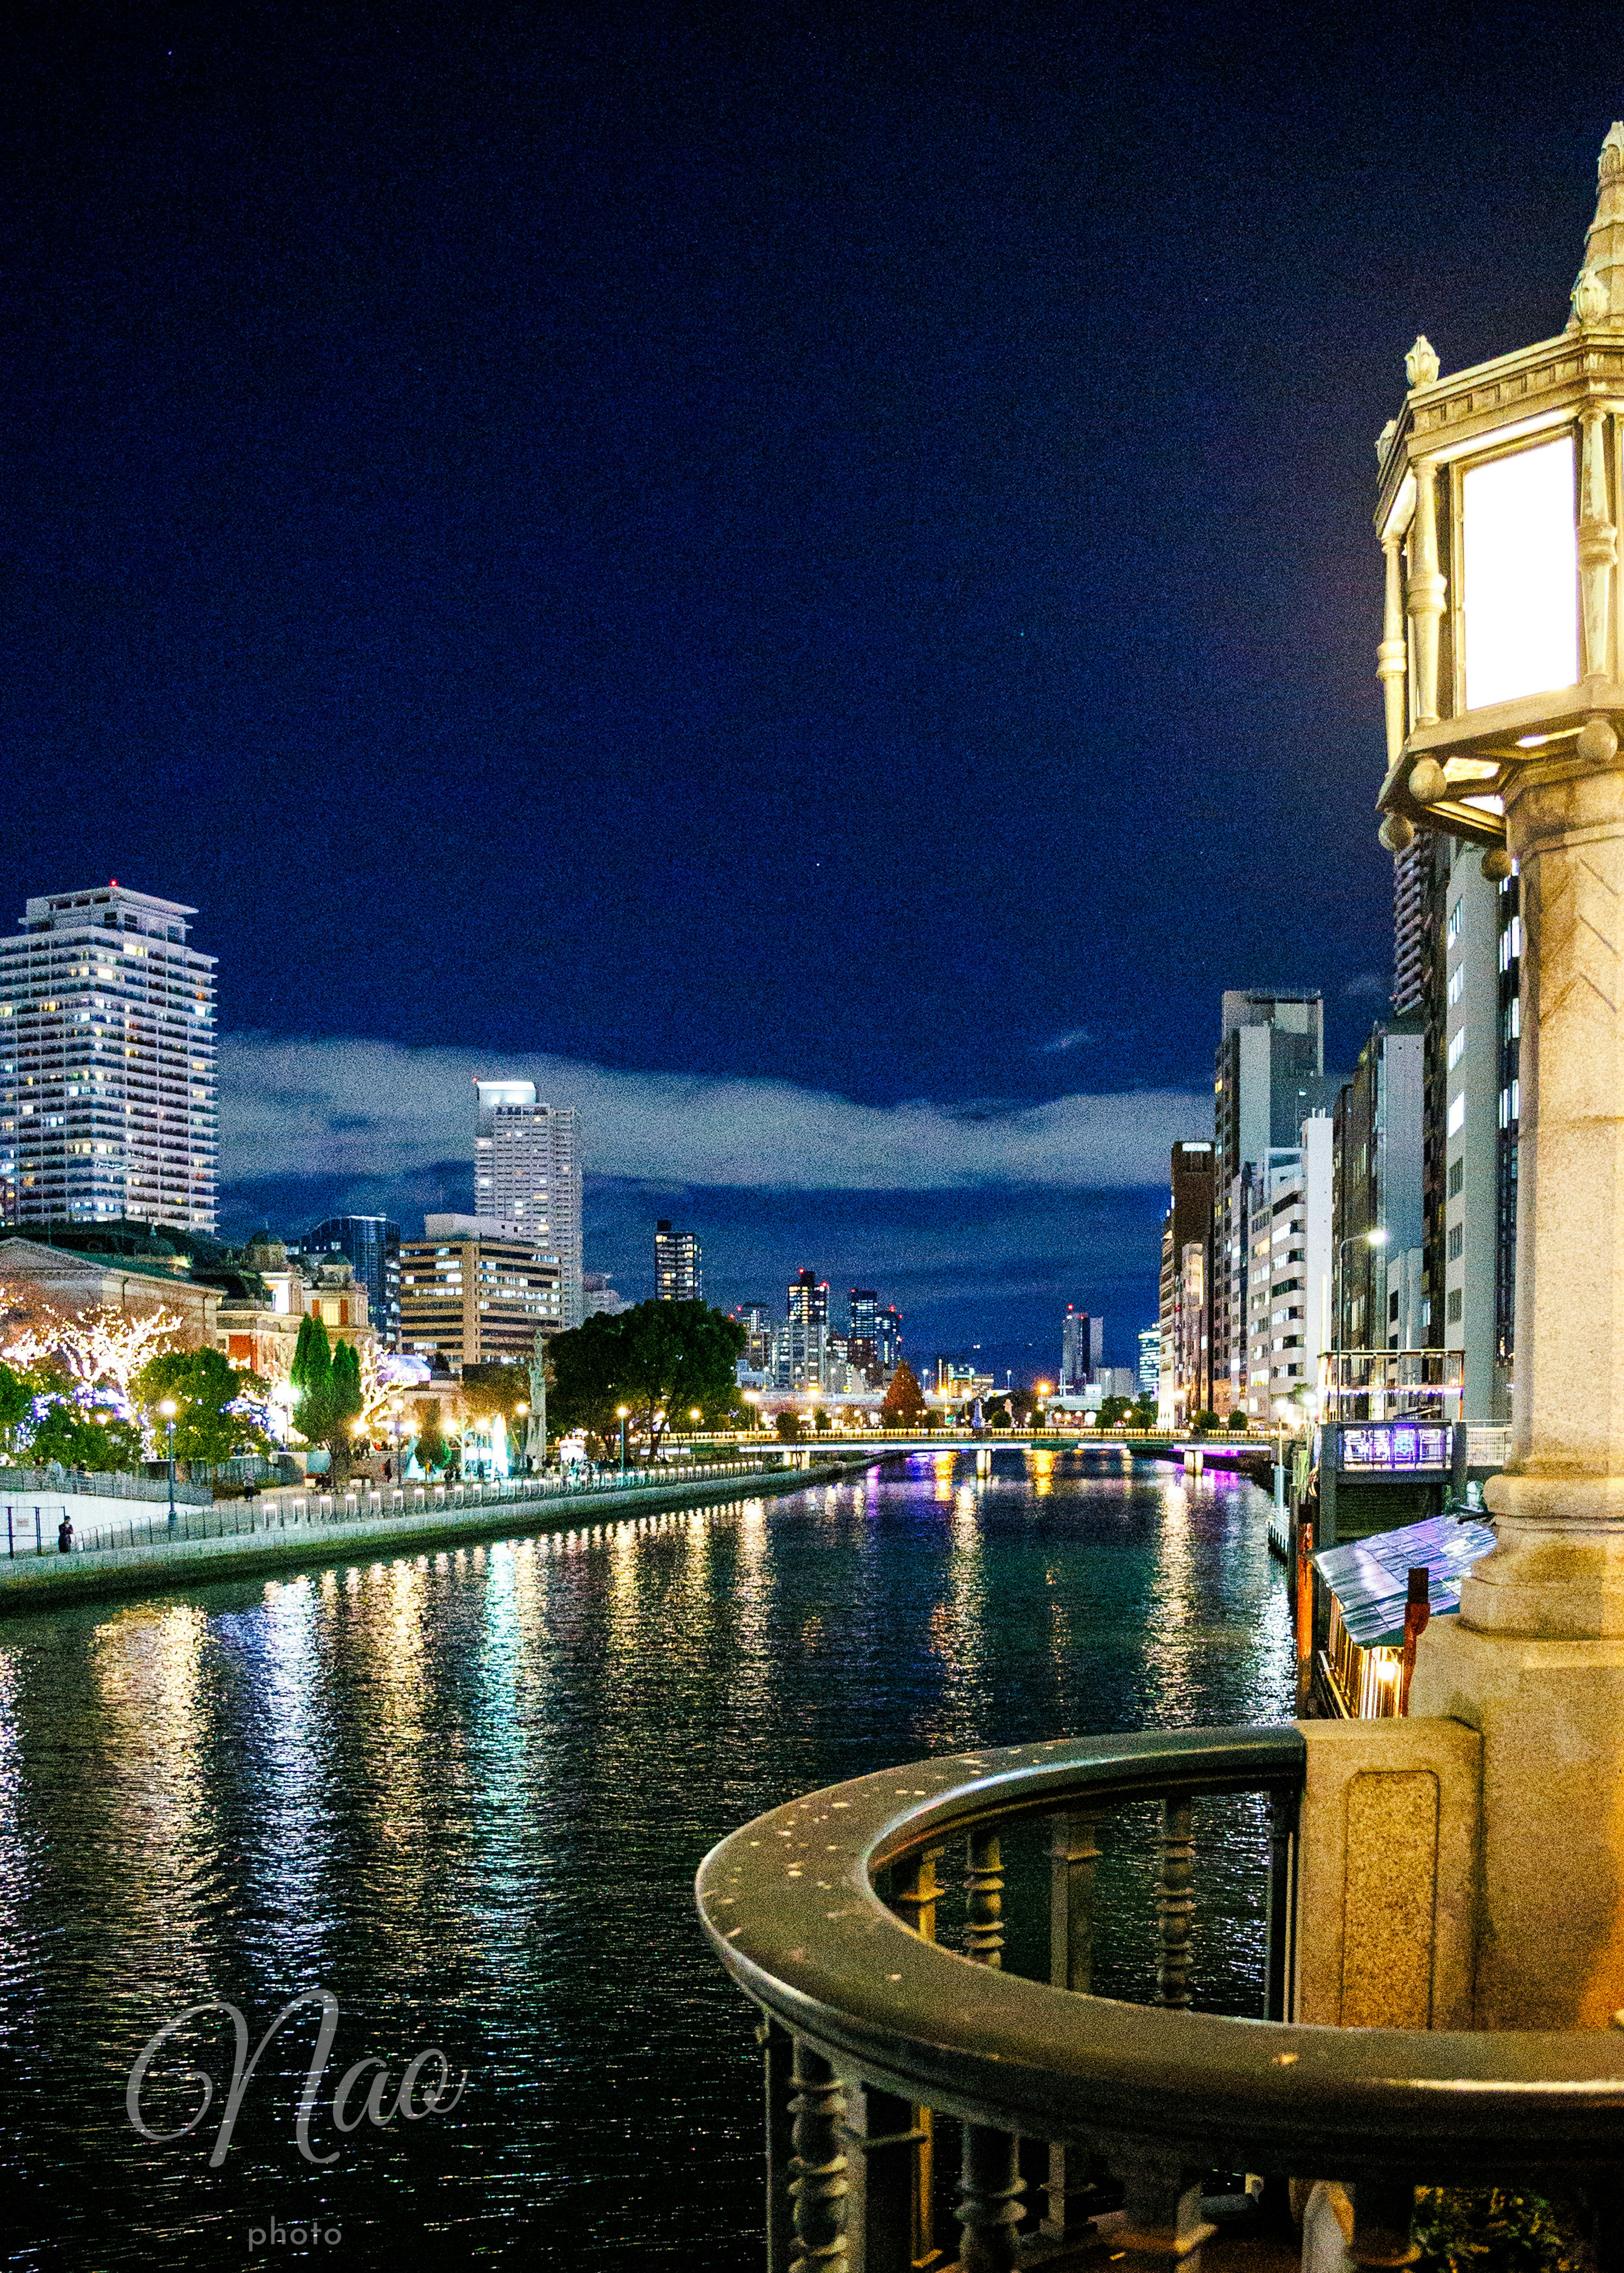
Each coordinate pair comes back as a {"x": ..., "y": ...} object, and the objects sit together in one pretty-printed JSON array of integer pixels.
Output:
[
  {"x": 679, "y": 1275},
  {"x": 1412, "y": 936},
  {"x": 861, "y": 1353},
  {"x": 887, "y": 1343},
  {"x": 1082, "y": 1350},
  {"x": 1150, "y": 1361},
  {"x": 1184, "y": 1385},
  {"x": 1289, "y": 1271},
  {"x": 756, "y": 1319},
  {"x": 802, "y": 1352},
  {"x": 1269, "y": 1077},
  {"x": 527, "y": 1174},
  {"x": 372, "y": 1246},
  {"x": 106, "y": 1064}
]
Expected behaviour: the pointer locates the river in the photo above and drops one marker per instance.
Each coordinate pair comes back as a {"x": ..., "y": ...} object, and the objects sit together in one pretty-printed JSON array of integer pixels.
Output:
[{"x": 465, "y": 1793}]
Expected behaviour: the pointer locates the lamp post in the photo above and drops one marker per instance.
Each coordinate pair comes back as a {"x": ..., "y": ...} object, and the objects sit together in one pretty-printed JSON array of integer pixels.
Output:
[
  {"x": 394, "y": 1409},
  {"x": 623, "y": 1411},
  {"x": 168, "y": 1409},
  {"x": 1498, "y": 509},
  {"x": 523, "y": 1413}
]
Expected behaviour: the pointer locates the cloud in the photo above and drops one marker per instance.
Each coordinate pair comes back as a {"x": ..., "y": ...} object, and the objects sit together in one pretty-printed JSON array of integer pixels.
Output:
[
  {"x": 1072, "y": 1039},
  {"x": 1367, "y": 985},
  {"x": 327, "y": 1108}
]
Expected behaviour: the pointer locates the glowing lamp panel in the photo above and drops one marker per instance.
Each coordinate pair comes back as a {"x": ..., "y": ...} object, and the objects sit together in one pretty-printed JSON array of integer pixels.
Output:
[{"x": 1520, "y": 587}]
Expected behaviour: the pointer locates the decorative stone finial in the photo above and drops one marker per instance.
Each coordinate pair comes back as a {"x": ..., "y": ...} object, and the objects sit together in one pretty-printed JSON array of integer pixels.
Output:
[
  {"x": 1396, "y": 834},
  {"x": 1384, "y": 439},
  {"x": 1589, "y": 296},
  {"x": 1598, "y": 290},
  {"x": 1421, "y": 364}
]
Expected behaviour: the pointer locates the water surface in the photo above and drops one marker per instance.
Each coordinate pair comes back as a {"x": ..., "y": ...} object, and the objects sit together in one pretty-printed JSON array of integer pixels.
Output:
[{"x": 467, "y": 1792}]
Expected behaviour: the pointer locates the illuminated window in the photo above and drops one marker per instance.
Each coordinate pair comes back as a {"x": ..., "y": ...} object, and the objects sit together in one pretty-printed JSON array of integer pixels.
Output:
[
  {"x": 1521, "y": 574},
  {"x": 1457, "y": 1113},
  {"x": 1457, "y": 1046}
]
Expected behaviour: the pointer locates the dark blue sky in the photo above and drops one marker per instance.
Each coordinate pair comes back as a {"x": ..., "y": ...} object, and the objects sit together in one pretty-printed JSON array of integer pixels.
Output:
[{"x": 820, "y": 547}]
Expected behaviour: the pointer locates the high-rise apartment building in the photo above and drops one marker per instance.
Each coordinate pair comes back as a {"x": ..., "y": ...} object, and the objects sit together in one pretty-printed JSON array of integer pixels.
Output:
[
  {"x": 1082, "y": 1351},
  {"x": 372, "y": 1244},
  {"x": 475, "y": 1291},
  {"x": 1184, "y": 1386},
  {"x": 1268, "y": 1077},
  {"x": 756, "y": 1319},
  {"x": 679, "y": 1275},
  {"x": 527, "y": 1175},
  {"x": 1150, "y": 1361},
  {"x": 887, "y": 1343},
  {"x": 862, "y": 1354},
  {"x": 106, "y": 1064}
]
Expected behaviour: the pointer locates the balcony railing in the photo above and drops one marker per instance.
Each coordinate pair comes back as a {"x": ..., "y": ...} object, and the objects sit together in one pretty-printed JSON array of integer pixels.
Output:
[
  {"x": 825, "y": 1914},
  {"x": 1388, "y": 1384}
]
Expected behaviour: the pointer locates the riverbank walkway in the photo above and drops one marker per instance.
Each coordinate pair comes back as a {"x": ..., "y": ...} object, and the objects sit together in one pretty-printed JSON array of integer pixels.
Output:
[{"x": 144, "y": 1553}]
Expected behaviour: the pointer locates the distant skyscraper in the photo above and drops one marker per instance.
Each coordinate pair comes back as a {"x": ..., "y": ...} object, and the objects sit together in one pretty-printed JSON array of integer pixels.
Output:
[
  {"x": 807, "y": 1322},
  {"x": 527, "y": 1173},
  {"x": 756, "y": 1319},
  {"x": 373, "y": 1245},
  {"x": 678, "y": 1276},
  {"x": 1150, "y": 1361},
  {"x": 107, "y": 1067},
  {"x": 1082, "y": 1351},
  {"x": 862, "y": 1352},
  {"x": 1185, "y": 1382},
  {"x": 887, "y": 1342}
]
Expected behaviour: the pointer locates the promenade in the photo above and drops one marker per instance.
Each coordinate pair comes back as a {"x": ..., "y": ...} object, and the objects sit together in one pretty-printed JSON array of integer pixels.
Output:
[{"x": 297, "y": 1531}]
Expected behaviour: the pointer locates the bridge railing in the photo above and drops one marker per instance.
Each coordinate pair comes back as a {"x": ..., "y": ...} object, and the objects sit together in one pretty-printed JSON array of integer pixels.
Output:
[{"x": 824, "y": 1913}]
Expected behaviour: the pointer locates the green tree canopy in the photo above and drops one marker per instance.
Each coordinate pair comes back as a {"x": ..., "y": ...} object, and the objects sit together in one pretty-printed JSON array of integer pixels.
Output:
[
  {"x": 1114, "y": 1412},
  {"x": 205, "y": 1388},
  {"x": 326, "y": 1382},
  {"x": 659, "y": 1358},
  {"x": 98, "y": 1442}
]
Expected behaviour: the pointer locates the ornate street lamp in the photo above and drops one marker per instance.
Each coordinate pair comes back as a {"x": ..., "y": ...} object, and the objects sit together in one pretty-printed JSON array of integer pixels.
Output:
[
  {"x": 167, "y": 1408},
  {"x": 1499, "y": 514},
  {"x": 623, "y": 1412}
]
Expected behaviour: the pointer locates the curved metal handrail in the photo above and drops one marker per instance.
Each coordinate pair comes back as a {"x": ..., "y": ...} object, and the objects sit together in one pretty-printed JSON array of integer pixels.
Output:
[{"x": 789, "y": 1904}]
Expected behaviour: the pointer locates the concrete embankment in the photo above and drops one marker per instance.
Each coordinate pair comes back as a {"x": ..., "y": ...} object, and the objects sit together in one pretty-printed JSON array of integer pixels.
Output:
[{"x": 40, "y": 1582}]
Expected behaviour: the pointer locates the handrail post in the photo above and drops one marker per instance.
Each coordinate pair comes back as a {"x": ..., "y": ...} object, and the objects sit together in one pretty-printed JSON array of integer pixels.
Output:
[
  {"x": 1383, "y": 2210},
  {"x": 1175, "y": 1902},
  {"x": 1073, "y": 1851},
  {"x": 1162, "y": 2230},
  {"x": 1279, "y": 1996},
  {"x": 776, "y": 2053},
  {"x": 882, "y": 2139},
  {"x": 914, "y": 1896},
  {"x": 984, "y": 1899},
  {"x": 817, "y": 2166},
  {"x": 990, "y": 2181}
]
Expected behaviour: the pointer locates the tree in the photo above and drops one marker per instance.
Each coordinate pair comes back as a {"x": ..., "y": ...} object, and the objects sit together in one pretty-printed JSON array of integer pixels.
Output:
[
  {"x": 788, "y": 1426},
  {"x": 904, "y": 1403},
  {"x": 1113, "y": 1411},
  {"x": 1239, "y": 1420},
  {"x": 660, "y": 1359},
  {"x": 210, "y": 1424},
  {"x": 432, "y": 1450},
  {"x": 1143, "y": 1414},
  {"x": 99, "y": 1443},
  {"x": 18, "y": 1391},
  {"x": 1204, "y": 1422},
  {"x": 326, "y": 1382}
]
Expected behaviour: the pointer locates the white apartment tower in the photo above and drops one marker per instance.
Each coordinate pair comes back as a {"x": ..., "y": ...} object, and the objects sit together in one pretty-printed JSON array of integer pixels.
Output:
[
  {"x": 527, "y": 1174},
  {"x": 106, "y": 1064}
]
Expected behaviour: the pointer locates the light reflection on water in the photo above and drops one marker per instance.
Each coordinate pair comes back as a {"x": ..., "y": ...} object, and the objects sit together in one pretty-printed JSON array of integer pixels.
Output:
[{"x": 467, "y": 1792}]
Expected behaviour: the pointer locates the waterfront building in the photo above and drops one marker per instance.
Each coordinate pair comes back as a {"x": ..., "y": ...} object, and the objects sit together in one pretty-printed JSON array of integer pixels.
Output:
[
  {"x": 1268, "y": 1076},
  {"x": 1290, "y": 1272},
  {"x": 475, "y": 1292},
  {"x": 1473, "y": 1011},
  {"x": 756, "y": 1319},
  {"x": 1150, "y": 1361},
  {"x": 1380, "y": 1303},
  {"x": 679, "y": 1275},
  {"x": 527, "y": 1175},
  {"x": 1184, "y": 1381},
  {"x": 106, "y": 1064},
  {"x": 1082, "y": 1350},
  {"x": 372, "y": 1244}
]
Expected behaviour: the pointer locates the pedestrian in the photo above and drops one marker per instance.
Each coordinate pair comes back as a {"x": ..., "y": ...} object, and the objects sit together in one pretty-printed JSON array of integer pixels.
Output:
[{"x": 64, "y": 1535}]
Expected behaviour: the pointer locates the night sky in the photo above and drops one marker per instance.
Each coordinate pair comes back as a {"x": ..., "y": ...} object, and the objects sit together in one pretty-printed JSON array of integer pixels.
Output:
[{"x": 806, "y": 574}]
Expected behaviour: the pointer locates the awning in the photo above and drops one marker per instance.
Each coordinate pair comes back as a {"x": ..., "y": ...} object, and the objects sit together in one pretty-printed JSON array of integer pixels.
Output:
[{"x": 1370, "y": 1578}]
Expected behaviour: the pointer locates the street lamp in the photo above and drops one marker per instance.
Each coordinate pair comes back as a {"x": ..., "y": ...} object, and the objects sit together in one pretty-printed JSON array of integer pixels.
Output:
[
  {"x": 623, "y": 1411},
  {"x": 394, "y": 1408},
  {"x": 168, "y": 1409},
  {"x": 523, "y": 1413}
]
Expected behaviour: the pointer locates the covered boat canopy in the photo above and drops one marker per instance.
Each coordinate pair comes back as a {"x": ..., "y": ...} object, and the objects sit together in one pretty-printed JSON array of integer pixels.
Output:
[{"x": 1370, "y": 1578}]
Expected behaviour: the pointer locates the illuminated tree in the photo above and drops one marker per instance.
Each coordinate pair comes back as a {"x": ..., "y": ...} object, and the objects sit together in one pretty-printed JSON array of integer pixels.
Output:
[
  {"x": 112, "y": 1345},
  {"x": 211, "y": 1424},
  {"x": 904, "y": 1405}
]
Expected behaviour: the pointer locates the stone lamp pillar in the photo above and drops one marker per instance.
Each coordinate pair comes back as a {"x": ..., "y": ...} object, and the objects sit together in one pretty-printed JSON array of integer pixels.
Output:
[{"x": 1501, "y": 496}]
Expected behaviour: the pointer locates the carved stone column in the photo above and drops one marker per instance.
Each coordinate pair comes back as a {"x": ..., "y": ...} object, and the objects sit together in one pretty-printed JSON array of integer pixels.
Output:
[{"x": 1536, "y": 1659}]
